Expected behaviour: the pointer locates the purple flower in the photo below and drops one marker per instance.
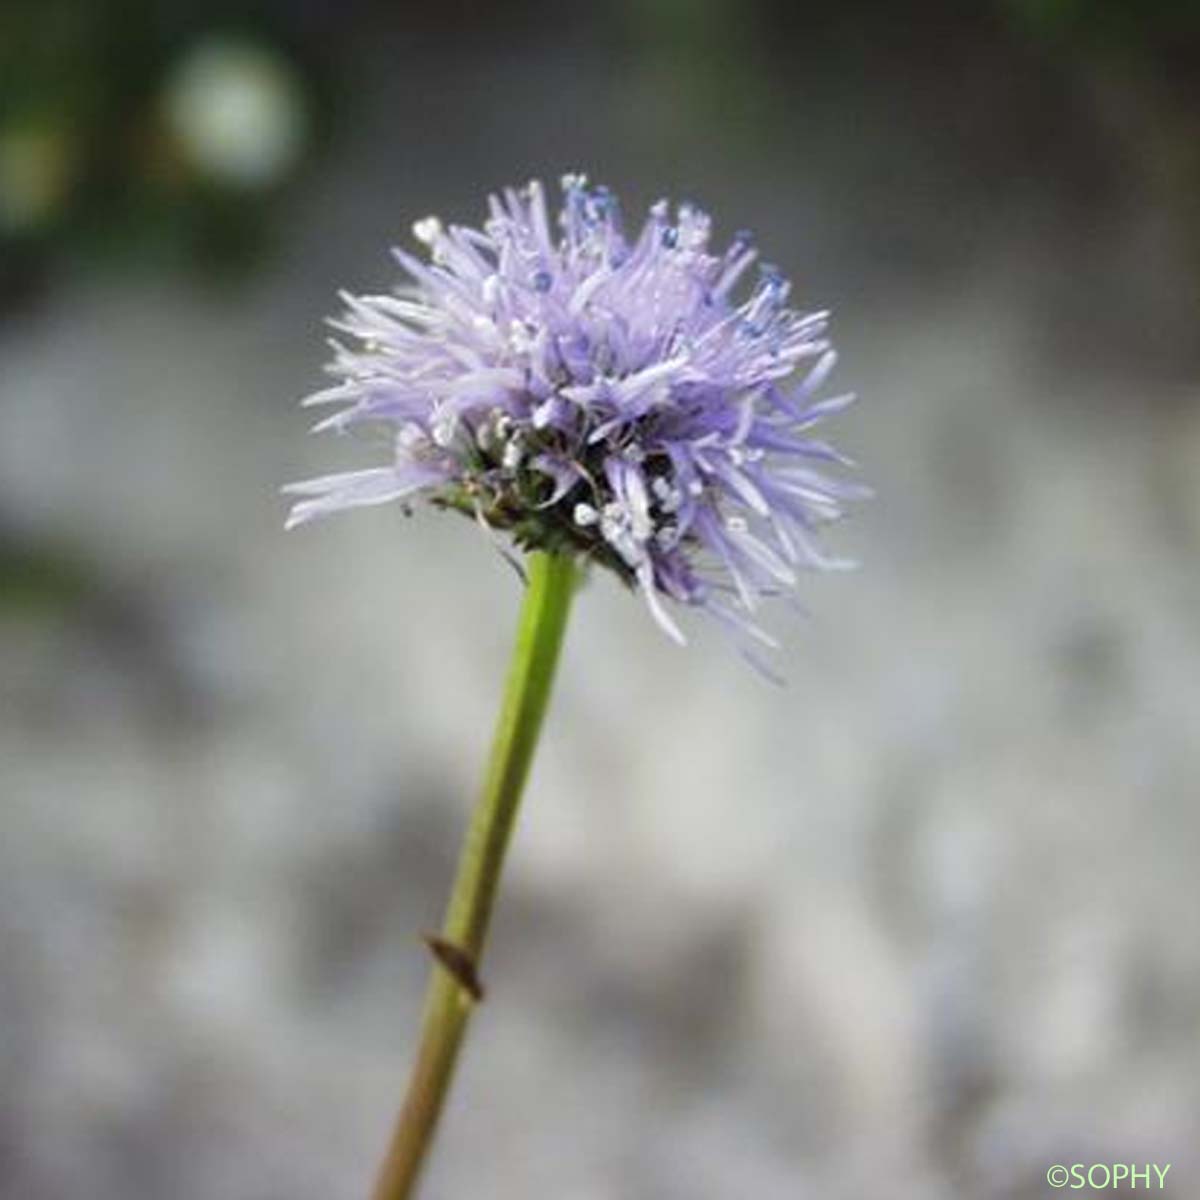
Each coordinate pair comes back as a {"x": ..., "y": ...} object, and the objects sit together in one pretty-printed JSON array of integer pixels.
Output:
[{"x": 626, "y": 399}]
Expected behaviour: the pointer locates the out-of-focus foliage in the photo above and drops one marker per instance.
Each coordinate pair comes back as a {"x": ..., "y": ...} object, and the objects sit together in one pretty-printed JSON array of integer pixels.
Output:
[
  {"x": 1139, "y": 58},
  {"x": 1097, "y": 20},
  {"x": 40, "y": 580},
  {"x": 135, "y": 129}
]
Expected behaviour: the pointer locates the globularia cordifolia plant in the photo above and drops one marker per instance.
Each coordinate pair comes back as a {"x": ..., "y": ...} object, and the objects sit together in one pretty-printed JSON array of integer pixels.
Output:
[{"x": 598, "y": 397}]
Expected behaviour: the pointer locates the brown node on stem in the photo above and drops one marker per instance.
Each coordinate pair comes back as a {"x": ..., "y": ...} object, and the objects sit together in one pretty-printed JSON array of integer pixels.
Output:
[{"x": 458, "y": 962}]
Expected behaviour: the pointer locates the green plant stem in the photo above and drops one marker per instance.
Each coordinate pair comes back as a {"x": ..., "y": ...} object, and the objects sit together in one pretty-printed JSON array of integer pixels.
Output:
[{"x": 453, "y": 990}]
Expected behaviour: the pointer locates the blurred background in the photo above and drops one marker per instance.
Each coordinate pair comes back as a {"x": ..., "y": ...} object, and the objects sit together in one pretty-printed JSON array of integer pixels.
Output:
[{"x": 918, "y": 925}]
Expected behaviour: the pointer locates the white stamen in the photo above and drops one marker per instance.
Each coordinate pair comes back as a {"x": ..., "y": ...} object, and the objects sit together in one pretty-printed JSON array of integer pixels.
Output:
[
  {"x": 521, "y": 337},
  {"x": 513, "y": 453},
  {"x": 427, "y": 230},
  {"x": 669, "y": 498},
  {"x": 585, "y": 515},
  {"x": 445, "y": 427}
]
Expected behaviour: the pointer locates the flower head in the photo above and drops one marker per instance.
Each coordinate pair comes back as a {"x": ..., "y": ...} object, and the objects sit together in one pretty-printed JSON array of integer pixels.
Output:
[{"x": 625, "y": 398}]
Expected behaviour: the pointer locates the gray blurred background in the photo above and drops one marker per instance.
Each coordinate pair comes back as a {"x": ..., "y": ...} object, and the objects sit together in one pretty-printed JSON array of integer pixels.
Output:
[{"x": 919, "y": 925}]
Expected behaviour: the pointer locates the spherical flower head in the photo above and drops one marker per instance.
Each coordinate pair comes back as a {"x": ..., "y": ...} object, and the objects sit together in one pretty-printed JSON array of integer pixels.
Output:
[{"x": 632, "y": 400}]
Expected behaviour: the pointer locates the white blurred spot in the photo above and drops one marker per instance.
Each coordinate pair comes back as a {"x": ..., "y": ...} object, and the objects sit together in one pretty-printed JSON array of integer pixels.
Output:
[{"x": 237, "y": 112}]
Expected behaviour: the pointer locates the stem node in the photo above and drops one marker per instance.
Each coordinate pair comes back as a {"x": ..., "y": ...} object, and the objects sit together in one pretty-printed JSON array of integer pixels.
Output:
[{"x": 458, "y": 962}]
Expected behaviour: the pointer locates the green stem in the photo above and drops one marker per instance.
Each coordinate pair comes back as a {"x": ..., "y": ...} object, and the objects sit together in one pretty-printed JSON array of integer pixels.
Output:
[{"x": 453, "y": 988}]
